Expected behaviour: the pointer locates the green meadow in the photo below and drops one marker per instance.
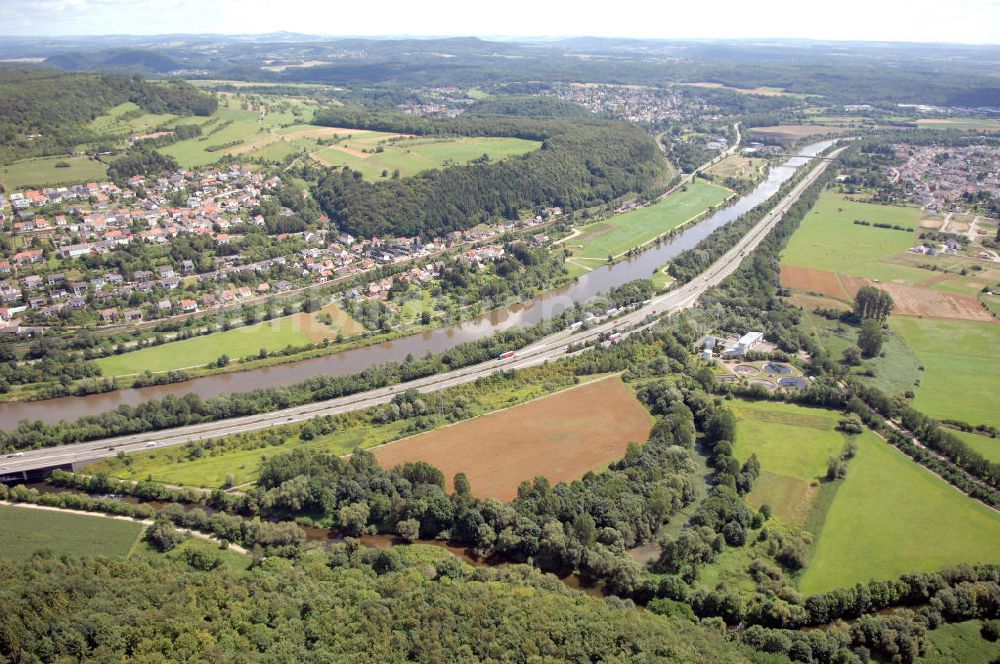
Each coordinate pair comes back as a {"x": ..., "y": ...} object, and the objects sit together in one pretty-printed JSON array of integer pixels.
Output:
[
  {"x": 961, "y": 376},
  {"x": 787, "y": 439},
  {"x": 411, "y": 155},
  {"x": 26, "y": 530},
  {"x": 618, "y": 234},
  {"x": 959, "y": 642},
  {"x": 174, "y": 466},
  {"x": 988, "y": 447},
  {"x": 828, "y": 238},
  {"x": 792, "y": 444},
  {"x": 891, "y": 516},
  {"x": 240, "y": 342},
  {"x": 45, "y": 172},
  {"x": 127, "y": 118},
  {"x": 969, "y": 124},
  {"x": 896, "y": 369}
]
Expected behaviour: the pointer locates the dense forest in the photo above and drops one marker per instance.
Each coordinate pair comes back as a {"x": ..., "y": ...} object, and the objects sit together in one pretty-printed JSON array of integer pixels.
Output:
[
  {"x": 529, "y": 106},
  {"x": 580, "y": 164},
  {"x": 54, "y": 108},
  {"x": 368, "y": 606}
]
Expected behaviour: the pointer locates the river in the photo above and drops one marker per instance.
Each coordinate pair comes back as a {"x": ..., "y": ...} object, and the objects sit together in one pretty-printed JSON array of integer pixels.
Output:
[{"x": 524, "y": 314}]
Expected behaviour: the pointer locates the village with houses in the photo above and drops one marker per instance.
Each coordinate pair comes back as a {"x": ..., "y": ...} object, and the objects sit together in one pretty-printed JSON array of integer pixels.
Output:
[
  {"x": 945, "y": 178},
  {"x": 100, "y": 254}
]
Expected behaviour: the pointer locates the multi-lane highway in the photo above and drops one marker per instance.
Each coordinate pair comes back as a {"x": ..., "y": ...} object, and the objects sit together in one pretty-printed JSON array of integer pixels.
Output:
[{"x": 549, "y": 348}]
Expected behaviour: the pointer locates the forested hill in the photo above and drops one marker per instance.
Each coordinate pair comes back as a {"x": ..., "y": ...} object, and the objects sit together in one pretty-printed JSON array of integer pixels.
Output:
[
  {"x": 529, "y": 106},
  {"x": 361, "y": 606},
  {"x": 58, "y": 106},
  {"x": 581, "y": 163}
]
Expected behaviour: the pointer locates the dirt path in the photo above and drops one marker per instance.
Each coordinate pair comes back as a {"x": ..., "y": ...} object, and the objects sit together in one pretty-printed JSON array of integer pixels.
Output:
[
  {"x": 146, "y": 522},
  {"x": 944, "y": 224},
  {"x": 576, "y": 233}
]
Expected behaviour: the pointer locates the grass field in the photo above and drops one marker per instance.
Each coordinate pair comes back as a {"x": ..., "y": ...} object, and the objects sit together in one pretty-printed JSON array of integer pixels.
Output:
[
  {"x": 761, "y": 90},
  {"x": 828, "y": 238},
  {"x": 43, "y": 172},
  {"x": 959, "y": 642},
  {"x": 787, "y": 439},
  {"x": 115, "y": 122},
  {"x": 891, "y": 516},
  {"x": 560, "y": 437},
  {"x": 988, "y": 447},
  {"x": 622, "y": 232},
  {"x": 412, "y": 155},
  {"x": 26, "y": 530},
  {"x": 737, "y": 166},
  {"x": 295, "y": 330},
  {"x": 968, "y": 124},
  {"x": 793, "y": 133},
  {"x": 792, "y": 444},
  {"x": 962, "y": 367}
]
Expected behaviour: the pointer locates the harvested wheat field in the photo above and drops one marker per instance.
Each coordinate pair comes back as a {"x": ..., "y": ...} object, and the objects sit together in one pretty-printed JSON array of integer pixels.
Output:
[
  {"x": 810, "y": 302},
  {"x": 561, "y": 436},
  {"x": 815, "y": 281},
  {"x": 910, "y": 301}
]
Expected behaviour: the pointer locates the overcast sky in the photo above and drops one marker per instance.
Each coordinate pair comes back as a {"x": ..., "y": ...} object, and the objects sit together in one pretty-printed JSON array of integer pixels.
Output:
[{"x": 965, "y": 21}]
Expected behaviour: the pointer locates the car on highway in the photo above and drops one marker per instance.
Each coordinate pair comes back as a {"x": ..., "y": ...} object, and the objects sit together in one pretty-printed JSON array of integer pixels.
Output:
[{"x": 151, "y": 444}]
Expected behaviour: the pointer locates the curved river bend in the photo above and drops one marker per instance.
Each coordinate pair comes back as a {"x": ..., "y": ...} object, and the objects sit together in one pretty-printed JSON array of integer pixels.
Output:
[{"x": 528, "y": 313}]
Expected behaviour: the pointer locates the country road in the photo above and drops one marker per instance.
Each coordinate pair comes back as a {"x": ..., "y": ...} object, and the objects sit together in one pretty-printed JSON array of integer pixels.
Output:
[{"x": 546, "y": 349}]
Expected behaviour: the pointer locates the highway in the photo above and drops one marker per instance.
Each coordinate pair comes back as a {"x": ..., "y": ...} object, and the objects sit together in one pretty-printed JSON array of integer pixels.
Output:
[{"x": 546, "y": 349}]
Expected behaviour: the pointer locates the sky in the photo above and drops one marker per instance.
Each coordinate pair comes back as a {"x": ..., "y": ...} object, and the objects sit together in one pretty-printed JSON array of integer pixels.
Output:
[{"x": 959, "y": 21}]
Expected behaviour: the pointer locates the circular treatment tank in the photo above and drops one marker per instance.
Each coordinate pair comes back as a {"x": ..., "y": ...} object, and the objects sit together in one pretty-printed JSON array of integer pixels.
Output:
[
  {"x": 763, "y": 383},
  {"x": 777, "y": 368},
  {"x": 746, "y": 369},
  {"x": 793, "y": 382}
]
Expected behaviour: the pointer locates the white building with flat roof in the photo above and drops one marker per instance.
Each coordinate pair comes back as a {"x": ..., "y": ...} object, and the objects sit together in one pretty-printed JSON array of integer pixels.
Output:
[{"x": 744, "y": 344}]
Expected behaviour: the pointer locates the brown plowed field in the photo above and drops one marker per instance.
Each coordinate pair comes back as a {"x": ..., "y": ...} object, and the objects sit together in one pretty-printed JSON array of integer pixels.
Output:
[
  {"x": 817, "y": 281},
  {"x": 561, "y": 436},
  {"x": 911, "y": 301}
]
